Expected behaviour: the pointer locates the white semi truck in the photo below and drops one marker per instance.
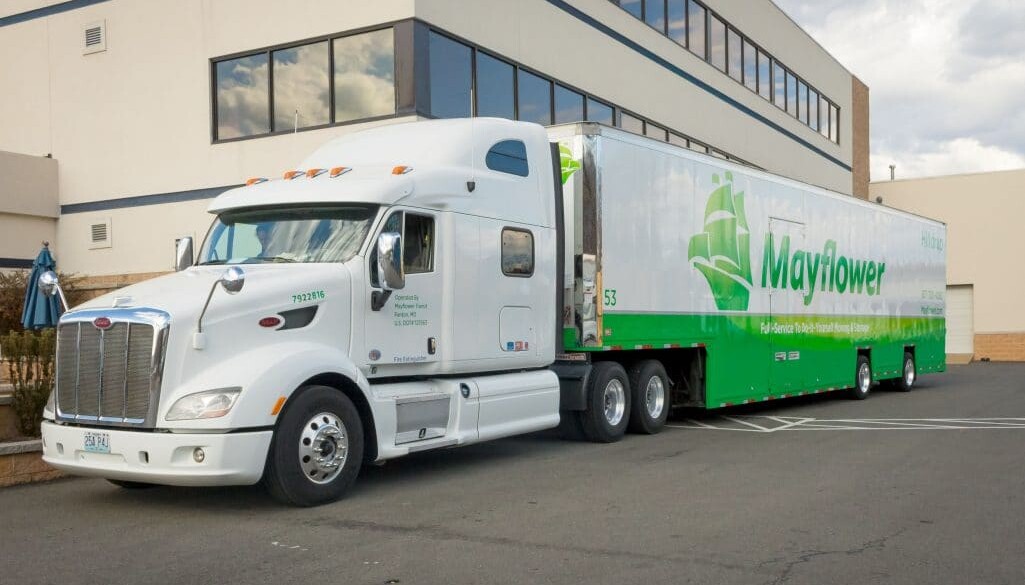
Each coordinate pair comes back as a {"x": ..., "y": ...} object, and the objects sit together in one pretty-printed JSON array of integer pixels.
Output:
[{"x": 435, "y": 284}]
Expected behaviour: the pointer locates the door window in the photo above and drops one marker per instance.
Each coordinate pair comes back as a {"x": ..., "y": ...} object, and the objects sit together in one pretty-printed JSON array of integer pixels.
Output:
[{"x": 417, "y": 243}]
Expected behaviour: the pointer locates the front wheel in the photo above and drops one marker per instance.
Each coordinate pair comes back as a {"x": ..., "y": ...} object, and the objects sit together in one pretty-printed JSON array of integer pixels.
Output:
[
  {"x": 908, "y": 374},
  {"x": 317, "y": 448},
  {"x": 862, "y": 379}
]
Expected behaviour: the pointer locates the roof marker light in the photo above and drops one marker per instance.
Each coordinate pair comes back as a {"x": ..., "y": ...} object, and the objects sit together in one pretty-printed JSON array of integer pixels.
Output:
[
  {"x": 314, "y": 173},
  {"x": 401, "y": 170},
  {"x": 338, "y": 172},
  {"x": 292, "y": 174},
  {"x": 255, "y": 181}
]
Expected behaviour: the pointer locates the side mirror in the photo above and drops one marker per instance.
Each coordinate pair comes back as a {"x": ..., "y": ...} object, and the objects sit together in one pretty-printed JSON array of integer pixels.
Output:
[
  {"x": 183, "y": 254},
  {"x": 233, "y": 280},
  {"x": 389, "y": 261},
  {"x": 49, "y": 285}
]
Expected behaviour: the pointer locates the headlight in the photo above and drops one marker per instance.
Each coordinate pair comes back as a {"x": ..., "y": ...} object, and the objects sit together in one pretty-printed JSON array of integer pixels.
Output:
[{"x": 209, "y": 404}]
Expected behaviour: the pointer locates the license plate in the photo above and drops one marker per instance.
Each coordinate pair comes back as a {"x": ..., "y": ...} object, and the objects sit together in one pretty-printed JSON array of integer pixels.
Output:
[{"x": 97, "y": 442}]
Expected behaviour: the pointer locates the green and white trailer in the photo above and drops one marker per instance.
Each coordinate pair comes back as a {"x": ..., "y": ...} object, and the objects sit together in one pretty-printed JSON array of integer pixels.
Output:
[{"x": 745, "y": 285}]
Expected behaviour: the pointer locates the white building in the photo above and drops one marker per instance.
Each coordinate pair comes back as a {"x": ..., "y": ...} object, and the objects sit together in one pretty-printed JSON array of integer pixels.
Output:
[{"x": 150, "y": 108}]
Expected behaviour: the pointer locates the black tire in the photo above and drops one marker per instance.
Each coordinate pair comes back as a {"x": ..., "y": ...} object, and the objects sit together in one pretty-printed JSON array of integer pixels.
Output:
[
  {"x": 650, "y": 406},
  {"x": 284, "y": 476},
  {"x": 570, "y": 428},
  {"x": 905, "y": 382},
  {"x": 861, "y": 386},
  {"x": 596, "y": 425},
  {"x": 132, "y": 485}
]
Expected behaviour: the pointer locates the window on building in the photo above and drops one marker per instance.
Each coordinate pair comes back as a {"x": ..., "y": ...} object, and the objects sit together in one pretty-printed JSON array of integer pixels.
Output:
[
  {"x": 535, "y": 98},
  {"x": 698, "y": 147},
  {"x": 791, "y": 94},
  {"x": 508, "y": 156},
  {"x": 301, "y": 91},
  {"x": 750, "y": 66},
  {"x": 364, "y": 75},
  {"x": 834, "y": 123},
  {"x": 696, "y": 19},
  {"x": 600, "y": 112},
  {"x": 656, "y": 132},
  {"x": 676, "y": 20},
  {"x": 823, "y": 116},
  {"x": 631, "y": 123},
  {"x": 733, "y": 53},
  {"x": 517, "y": 252},
  {"x": 717, "y": 43},
  {"x": 813, "y": 109},
  {"x": 779, "y": 85},
  {"x": 450, "y": 77},
  {"x": 764, "y": 75},
  {"x": 802, "y": 102},
  {"x": 632, "y": 6},
  {"x": 678, "y": 140},
  {"x": 655, "y": 14},
  {"x": 495, "y": 95},
  {"x": 243, "y": 96},
  {"x": 569, "y": 105}
]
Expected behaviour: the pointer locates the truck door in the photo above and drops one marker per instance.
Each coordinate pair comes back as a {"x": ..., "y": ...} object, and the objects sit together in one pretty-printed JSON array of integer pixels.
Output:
[
  {"x": 787, "y": 283},
  {"x": 405, "y": 331}
]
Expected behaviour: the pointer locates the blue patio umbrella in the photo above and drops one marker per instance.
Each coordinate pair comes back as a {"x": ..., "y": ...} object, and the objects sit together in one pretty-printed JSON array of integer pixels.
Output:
[{"x": 40, "y": 310}]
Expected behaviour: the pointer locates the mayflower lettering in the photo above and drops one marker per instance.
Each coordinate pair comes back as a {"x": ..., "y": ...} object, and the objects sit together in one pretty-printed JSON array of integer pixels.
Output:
[{"x": 825, "y": 271}]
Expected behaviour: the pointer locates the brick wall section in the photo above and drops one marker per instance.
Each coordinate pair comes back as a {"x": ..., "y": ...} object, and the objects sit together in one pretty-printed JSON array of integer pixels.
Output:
[
  {"x": 21, "y": 468},
  {"x": 860, "y": 138},
  {"x": 1000, "y": 347}
]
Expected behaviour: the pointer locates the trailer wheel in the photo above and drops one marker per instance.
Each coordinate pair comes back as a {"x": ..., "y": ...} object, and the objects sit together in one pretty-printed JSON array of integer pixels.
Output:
[
  {"x": 608, "y": 403},
  {"x": 650, "y": 408},
  {"x": 862, "y": 379},
  {"x": 908, "y": 375},
  {"x": 317, "y": 448}
]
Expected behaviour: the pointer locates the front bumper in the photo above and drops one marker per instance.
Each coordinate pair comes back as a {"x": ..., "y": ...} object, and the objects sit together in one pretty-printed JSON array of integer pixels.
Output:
[{"x": 162, "y": 458}]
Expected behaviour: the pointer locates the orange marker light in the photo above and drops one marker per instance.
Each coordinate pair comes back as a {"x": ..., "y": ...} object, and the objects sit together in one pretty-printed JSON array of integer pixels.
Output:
[
  {"x": 339, "y": 171},
  {"x": 255, "y": 180},
  {"x": 277, "y": 406},
  {"x": 314, "y": 173},
  {"x": 401, "y": 170},
  {"x": 292, "y": 174}
]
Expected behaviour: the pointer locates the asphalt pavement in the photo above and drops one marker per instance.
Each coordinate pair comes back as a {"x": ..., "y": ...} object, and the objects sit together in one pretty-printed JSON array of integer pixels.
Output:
[{"x": 925, "y": 487}]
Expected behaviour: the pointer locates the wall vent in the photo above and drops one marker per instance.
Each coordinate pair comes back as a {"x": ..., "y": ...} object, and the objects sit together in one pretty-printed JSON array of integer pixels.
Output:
[
  {"x": 95, "y": 36},
  {"x": 99, "y": 235}
]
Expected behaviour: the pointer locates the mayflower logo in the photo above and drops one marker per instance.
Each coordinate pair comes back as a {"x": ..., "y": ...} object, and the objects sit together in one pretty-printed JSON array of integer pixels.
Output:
[{"x": 722, "y": 253}]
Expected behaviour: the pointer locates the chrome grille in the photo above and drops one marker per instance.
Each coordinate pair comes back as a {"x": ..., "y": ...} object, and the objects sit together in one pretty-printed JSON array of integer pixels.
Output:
[{"x": 110, "y": 376}]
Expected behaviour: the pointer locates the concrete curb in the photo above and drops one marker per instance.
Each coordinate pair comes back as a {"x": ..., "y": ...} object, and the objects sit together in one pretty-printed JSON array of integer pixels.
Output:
[{"x": 16, "y": 447}]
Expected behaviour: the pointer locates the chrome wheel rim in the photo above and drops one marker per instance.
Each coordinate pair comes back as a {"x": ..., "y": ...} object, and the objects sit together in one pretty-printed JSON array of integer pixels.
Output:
[
  {"x": 615, "y": 402},
  {"x": 909, "y": 373},
  {"x": 655, "y": 396},
  {"x": 323, "y": 448},
  {"x": 864, "y": 378}
]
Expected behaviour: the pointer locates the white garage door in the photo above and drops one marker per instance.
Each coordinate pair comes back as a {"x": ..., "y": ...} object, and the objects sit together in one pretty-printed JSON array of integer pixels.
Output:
[{"x": 960, "y": 329}]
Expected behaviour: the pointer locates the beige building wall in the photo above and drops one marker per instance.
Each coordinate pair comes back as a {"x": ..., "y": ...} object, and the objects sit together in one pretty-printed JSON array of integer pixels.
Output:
[
  {"x": 28, "y": 207},
  {"x": 135, "y": 120},
  {"x": 983, "y": 214}
]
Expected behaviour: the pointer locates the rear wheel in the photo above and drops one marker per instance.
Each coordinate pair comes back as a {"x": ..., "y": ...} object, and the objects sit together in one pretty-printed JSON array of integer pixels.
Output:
[
  {"x": 317, "y": 448},
  {"x": 608, "y": 403},
  {"x": 650, "y": 406},
  {"x": 862, "y": 379},
  {"x": 908, "y": 374}
]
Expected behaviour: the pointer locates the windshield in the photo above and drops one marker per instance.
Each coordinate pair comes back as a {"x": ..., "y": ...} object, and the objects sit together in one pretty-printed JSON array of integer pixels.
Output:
[{"x": 309, "y": 234}]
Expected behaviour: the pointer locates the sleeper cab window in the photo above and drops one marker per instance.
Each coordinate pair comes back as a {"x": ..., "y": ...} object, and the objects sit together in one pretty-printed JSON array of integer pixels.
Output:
[
  {"x": 508, "y": 156},
  {"x": 517, "y": 252}
]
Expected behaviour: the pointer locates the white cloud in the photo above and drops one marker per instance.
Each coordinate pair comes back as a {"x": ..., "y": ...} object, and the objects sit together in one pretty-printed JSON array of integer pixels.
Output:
[{"x": 946, "y": 78}]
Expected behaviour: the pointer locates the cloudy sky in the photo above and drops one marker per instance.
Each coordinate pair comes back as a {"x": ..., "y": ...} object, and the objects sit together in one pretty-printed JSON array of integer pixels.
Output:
[{"x": 947, "y": 78}]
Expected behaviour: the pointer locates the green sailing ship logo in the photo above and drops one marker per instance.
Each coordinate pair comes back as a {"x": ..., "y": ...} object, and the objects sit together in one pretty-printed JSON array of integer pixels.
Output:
[
  {"x": 568, "y": 163},
  {"x": 722, "y": 253}
]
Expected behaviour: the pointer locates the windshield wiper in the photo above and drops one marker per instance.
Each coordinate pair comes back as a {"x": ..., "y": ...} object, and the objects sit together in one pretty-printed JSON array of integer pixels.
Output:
[
  {"x": 270, "y": 259},
  {"x": 212, "y": 262}
]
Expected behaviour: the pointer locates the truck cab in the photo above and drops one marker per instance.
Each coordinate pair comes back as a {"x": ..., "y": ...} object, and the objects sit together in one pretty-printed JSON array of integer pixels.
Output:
[{"x": 395, "y": 292}]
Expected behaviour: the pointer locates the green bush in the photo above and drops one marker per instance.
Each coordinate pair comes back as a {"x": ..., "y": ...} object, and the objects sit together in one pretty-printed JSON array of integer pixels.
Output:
[
  {"x": 29, "y": 358},
  {"x": 12, "y": 297}
]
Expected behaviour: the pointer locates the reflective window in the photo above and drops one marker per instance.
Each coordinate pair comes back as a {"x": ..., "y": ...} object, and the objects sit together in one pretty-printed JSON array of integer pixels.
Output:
[
  {"x": 301, "y": 91},
  {"x": 802, "y": 102},
  {"x": 678, "y": 140},
  {"x": 653, "y": 131},
  {"x": 834, "y": 123},
  {"x": 495, "y": 96},
  {"x": 364, "y": 75},
  {"x": 750, "y": 66},
  {"x": 535, "y": 98},
  {"x": 791, "y": 94},
  {"x": 676, "y": 18},
  {"x": 632, "y": 6},
  {"x": 655, "y": 14},
  {"x": 813, "y": 109},
  {"x": 517, "y": 252},
  {"x": 733, "y": 53},
  {"x": 449, "y": 77},
  {"x": 696, "y": 28},
  {"x": 823, "y": 116},
  {"x": 631, "y": 123},
  {"x": 717, "y": 43},
  {"x": 508, "y": 156},
  {"x": 599, "y": 112},
  {"x": 569, "y": 105},
  {"x": 243, "y": 100},
  {"x": 698, "y": 147},
  {"x": 779, "y": 85},
  {"x": 764, "y": 76}
]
